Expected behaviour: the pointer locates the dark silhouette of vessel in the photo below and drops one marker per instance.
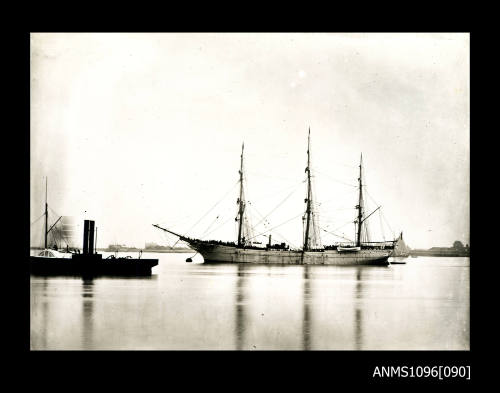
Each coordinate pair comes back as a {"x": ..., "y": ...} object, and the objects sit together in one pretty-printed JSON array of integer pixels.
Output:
[{"x": 89, "y": 262}]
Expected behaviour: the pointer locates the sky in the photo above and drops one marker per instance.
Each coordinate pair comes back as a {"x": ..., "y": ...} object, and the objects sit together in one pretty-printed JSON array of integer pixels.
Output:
[{"x": 139, "y": 129}]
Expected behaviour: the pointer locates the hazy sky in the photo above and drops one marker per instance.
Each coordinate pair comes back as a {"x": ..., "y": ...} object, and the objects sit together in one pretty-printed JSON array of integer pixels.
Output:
[{"x": 136, "y": 129}]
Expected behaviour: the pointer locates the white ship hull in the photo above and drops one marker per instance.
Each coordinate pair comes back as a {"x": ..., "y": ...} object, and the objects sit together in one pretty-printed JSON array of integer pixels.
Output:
[{"x": 221, "y": 253}]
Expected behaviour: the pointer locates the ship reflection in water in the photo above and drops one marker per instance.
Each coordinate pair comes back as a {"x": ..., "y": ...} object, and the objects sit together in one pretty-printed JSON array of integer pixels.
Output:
[
  {"x": 87, "y": 312},
  {"x": 421, "y": 305}
]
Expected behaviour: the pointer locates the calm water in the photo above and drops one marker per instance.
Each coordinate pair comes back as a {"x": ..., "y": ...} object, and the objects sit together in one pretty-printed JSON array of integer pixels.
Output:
[{"x": 421, "y": 305}]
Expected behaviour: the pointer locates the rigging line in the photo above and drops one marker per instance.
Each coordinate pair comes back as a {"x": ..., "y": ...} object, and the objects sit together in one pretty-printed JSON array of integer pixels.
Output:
[
  {"x": 220, "y": 226},
  {"x": 327, "y": 202},
  {"x": 275, "y": 232},
  {"x": 273, "y": 177},
  {"x": 328, "y": 222},
  {"x": 252, "y": 208},
  {"x": 265, "y": 223},
  {"x": 335, "y": 216},
  {"x": 346, "y": 194},
  {"x": 381, "y": 225},
  {"x": 187, "y": 218},
  {"x": 343, "y": 164},
  {"x": 212, "y": 223},
  {"x": 286, "y": 241},
  {"x": 225, "y": 195},
  {"x": 178, "y": 222},
  {"x": 349, "y": 222},
  {"x": 383, "y": 216},
  {"x": 341, "y": 235},
  {"x": 277, "y": 192},
  {"x": 53, "y": 211},
  {"x": 283, "y": 223},
  {"x": 373, "y": 200},
  {"x": 43, "y": 214},
  {"x": 278, "y": 205},
  {"x": 333, "y": 179},
  {"x": 177, "y": 241},
  {"x": 334, "y": 234},
  {"x": 167, "y": 240}
]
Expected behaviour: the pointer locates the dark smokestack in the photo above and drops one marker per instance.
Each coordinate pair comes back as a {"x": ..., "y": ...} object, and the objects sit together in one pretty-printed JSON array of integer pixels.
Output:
[
  {"x": 91, "y": 236},
  {"x": 86, "y": 237}
]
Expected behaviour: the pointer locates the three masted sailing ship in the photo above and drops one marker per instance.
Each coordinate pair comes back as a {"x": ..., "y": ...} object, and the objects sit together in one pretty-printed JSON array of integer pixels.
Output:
[{"x": 244, "y": 251}]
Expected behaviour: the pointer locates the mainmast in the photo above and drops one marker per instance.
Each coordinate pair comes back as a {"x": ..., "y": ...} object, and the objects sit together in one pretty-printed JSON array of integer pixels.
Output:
[
  {"x": 360, "y": 203},
  {"x": 240, "y": 199},
  {"x": 308, "y": 199},
  {"x": 46, "y": 214}
]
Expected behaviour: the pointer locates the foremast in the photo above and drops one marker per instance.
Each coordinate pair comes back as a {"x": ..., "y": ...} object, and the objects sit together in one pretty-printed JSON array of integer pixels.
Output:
[
  {"x": 312, "y": 240},
  {"x": 244, "y": 230},
  {"x": 360, "y": 206}
]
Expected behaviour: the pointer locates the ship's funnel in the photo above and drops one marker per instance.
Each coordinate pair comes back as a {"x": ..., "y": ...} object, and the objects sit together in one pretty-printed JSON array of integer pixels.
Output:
[
  {"x": 88, "y": 236},
  {"x": 91, "y": 237}
]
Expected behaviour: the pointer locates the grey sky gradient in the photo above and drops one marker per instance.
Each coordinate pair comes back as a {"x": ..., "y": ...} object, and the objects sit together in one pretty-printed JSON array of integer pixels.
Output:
[{"x": 135, "y": 129}]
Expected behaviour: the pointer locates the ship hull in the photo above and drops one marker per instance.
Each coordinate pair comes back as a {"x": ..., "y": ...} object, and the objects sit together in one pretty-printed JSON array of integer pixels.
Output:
[
  {"x": 219, "y": 253},
  {"x": 91, "y": 265}
]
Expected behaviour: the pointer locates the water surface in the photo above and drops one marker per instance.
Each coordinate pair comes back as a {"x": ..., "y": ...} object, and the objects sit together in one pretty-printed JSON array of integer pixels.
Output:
[{"x": 422, "y": 305}]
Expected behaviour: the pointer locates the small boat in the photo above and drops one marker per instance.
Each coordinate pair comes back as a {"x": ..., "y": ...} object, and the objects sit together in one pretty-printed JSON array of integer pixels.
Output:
[
  {"x": 401, "y": 250},
  {"x": 348, "y": 249}
]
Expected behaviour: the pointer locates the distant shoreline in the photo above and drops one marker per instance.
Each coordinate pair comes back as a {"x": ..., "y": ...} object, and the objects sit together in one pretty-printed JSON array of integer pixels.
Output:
[
  {"x": 148, "y": 250},
  {"x": 427, "y": 253},
  {"x": 170, "y": 251},
  {"x": 180, "y": 250}
]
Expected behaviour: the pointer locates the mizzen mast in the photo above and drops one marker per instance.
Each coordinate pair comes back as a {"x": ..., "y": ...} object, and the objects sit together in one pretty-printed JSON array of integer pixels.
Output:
[{"x": 240, "y": 201}]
